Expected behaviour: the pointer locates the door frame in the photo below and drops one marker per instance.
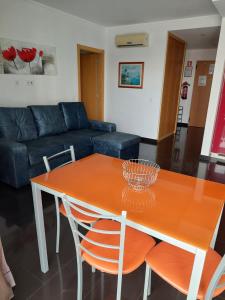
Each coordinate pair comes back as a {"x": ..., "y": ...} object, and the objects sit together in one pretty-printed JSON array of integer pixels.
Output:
[
  {"x": 170, "y": 34},
  {"x": 101, "y": 53},
  {"x": 194, "y": 86}
]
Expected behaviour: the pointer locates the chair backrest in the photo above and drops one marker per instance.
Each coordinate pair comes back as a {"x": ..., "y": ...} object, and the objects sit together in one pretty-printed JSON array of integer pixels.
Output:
[
  {"x": 215, "y": 281},
  {"x": 48, "y": 158},
  {"x": 77, "y": 233}
]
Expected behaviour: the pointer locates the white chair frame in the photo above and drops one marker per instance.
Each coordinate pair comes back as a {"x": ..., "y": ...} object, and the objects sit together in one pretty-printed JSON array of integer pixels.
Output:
[
  {"x": 77, "y": 235},
  {"x": 48, "y": 169},
  {"x": 220, "y": 270}
]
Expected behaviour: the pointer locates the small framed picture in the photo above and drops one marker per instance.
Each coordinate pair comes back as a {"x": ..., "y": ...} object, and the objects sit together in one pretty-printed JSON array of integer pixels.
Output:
[
  {"x": 131, "y": 75},
  {"x": 188, "y": 71}
]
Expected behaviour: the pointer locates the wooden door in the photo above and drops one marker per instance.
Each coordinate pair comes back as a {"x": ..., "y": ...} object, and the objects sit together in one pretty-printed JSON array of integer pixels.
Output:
[
  {"x": 171, "y": 90},
  {"x": 89, "y": 74},
  {"x": 201, "y": 93}
]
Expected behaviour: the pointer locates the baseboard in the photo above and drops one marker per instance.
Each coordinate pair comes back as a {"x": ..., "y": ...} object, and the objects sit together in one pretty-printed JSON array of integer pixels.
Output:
[
  {"x": 182, "y": 124},
  {"x": 149, "y": 141},
  {"x": 213, "y": 158},
  {"x": 205, "y": 158},
  {"x": 218, "y": 157}
]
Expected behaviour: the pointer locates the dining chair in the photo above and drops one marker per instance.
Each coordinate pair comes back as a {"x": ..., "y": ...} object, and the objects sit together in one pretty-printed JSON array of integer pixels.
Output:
[
  {"x": 109, "y": 245},
  {"x": 60, "y": 207},
  {"x": 175, "y": 265}
]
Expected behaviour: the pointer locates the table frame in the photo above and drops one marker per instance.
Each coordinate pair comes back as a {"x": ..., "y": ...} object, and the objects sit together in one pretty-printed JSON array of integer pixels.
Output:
[{"x": 39, "y": 219}]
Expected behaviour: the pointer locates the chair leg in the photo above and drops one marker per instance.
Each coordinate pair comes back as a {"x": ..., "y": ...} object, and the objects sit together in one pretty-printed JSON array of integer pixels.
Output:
[
  {"x": 92, "y": 268},
  {"x": 147, "y": 285},
  {"x": 60, "y": 273},
  {"x": 58, "y": 223},
  {"x": 102, "y": 286},
  {"x": 119, "y": 287},
  {"x": 79, "y": 278},
  {"x": 149, "y": 282}
]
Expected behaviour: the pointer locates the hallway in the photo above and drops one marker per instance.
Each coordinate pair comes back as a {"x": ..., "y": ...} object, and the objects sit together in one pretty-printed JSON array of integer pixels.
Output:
[{"x": 181, "y": 153}]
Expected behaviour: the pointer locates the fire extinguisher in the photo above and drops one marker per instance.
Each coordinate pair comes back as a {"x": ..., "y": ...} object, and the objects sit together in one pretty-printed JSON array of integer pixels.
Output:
[{"x": 184, "y": 90}]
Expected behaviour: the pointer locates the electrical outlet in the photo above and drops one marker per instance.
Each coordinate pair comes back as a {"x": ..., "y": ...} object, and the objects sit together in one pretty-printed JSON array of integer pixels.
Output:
[{"x": 30, "y": 83}]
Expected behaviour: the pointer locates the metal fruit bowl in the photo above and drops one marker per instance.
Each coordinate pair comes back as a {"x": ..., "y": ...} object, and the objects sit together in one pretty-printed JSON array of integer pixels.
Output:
[{"x": 140, "y": 173}]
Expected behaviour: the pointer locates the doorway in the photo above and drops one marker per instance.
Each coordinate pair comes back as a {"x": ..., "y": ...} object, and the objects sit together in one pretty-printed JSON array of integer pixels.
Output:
[
  {"x": 91, "y": 80},
  {"x": 201, "y": 93},
  {"x": 171, "y": 89}
]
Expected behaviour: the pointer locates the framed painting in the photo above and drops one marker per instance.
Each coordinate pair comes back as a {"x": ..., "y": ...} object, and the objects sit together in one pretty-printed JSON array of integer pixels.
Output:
[
  {"x": 131, "y": 75},
  {"x": 17, "y": 57}
]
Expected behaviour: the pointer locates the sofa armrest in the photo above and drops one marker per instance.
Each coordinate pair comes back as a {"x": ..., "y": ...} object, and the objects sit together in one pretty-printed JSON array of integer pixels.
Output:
[
  {"x": 14, "y": 163},
  {"x": 103, "y": 126}
]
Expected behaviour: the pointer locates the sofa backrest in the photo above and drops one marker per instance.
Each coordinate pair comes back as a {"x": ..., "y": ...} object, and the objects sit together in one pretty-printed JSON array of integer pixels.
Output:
[
  {"x": 49, "y": 119},
  {"x": 17, "y": 124},
  {"x": 75, "y": 115},
  {"x": 27, "y": 123}
]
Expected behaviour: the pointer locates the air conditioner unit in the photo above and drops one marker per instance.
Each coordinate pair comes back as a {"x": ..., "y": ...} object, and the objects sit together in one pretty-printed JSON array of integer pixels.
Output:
[{"x": 132, "y": 40}]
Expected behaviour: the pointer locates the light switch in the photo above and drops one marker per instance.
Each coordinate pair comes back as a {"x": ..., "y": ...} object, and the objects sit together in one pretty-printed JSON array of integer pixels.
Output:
[{"x": 30, "y": 83}]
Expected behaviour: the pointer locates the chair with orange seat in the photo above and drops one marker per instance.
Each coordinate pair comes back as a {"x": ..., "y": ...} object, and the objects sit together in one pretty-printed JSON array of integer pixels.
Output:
[
  {"x": 175, "y": 265},
  {"x": 109, "y": 245},
  {"x": 60, "y": 208}
]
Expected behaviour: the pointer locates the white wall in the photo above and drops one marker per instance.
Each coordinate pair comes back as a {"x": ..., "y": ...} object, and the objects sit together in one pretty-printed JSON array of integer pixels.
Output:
[
  {"x": 215, "y": 93},
  {"x": 31, "y": 22},
  {"x": 193, "y": 55},
  {"x": 134, "y": 110}
]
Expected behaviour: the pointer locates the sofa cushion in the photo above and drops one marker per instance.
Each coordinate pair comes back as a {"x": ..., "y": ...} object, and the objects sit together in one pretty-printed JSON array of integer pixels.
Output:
[
  {"x": 118, "y": 140},
  {"x": 82, "y": 144},
  {"x": 53, "y": 144},
  {"x": 75, "y": 115},
  {"x": 103, "y": 126},
  {"x": 81, "y": 151},
  {"x": 87, "y": 133},
  {"x": 49, "y": 119},
  {"x": 17, "y": 124},
  {"x": 72, "y": 138},
  {"x": 40, "y": 147}
]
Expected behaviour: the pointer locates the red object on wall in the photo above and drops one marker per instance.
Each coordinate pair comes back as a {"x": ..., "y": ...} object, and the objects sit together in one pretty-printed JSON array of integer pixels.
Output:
[
  {"x": 27, "y": 54},
  {"x": 189, "y": 63},
  {"x": 218, "y": 144},
  {"x": 184, "y": 90},
  {"x": 9, "y": 54},
  {"x": 41, "y": 53}
]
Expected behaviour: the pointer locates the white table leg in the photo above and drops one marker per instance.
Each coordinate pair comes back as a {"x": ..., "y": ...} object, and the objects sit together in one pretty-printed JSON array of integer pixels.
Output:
[
  {"x": 40, "y": 227},
  {"x": 196, "y": 274},
  {"x": 213, "y": 242}
]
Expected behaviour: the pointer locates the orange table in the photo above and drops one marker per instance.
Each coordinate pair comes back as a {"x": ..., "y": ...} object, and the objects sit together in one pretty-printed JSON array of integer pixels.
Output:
[{"x": 182, "y": 210}]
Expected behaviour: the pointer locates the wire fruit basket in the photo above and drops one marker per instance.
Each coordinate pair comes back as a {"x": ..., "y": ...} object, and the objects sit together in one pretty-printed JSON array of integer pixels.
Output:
[{"x": 140, "y": 173}]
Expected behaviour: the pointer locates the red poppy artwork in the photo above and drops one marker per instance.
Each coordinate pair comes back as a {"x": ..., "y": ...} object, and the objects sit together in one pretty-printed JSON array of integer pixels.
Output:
[
  {"x": 26, "y": 58},
  {"x": 27, "y": 54},
  {"x": 10, "y": 55}
]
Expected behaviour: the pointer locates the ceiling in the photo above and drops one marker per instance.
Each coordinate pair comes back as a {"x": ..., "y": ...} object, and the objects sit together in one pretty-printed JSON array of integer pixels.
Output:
[
  {"x": 124, "y": 12},
  {"x": 199, "y": 38}
]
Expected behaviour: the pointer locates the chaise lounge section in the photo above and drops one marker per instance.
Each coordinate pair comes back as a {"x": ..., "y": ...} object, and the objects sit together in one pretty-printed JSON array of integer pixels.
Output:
[{"x": 28, "y": 134}]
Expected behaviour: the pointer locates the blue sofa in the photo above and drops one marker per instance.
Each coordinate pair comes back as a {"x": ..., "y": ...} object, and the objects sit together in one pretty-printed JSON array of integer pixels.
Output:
[{"x": 27, "y": 134}]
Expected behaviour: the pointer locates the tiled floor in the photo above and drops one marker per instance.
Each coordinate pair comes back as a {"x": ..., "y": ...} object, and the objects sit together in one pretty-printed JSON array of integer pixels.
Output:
[{"x": 17, "y": 229}]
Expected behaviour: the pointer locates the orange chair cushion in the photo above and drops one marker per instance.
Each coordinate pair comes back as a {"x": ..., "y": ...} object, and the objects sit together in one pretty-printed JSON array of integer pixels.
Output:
[
  {"x": 137, "y": 245},
  {"x": 81, "y": 217},
  {"x": 175, "y": 265}
]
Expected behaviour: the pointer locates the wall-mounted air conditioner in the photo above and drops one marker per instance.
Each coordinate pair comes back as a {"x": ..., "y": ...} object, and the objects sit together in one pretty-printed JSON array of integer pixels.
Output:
[{"x": 132, "y": 40}]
